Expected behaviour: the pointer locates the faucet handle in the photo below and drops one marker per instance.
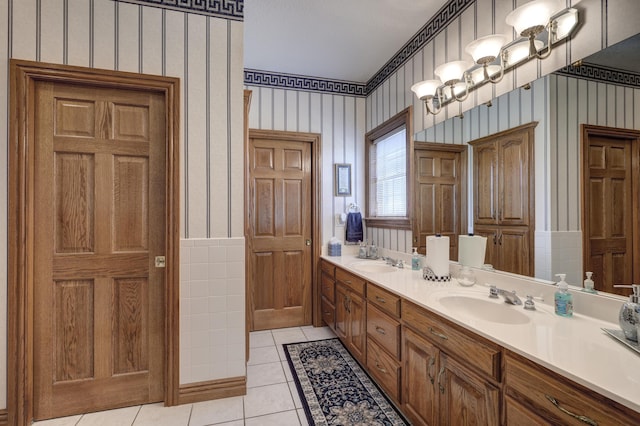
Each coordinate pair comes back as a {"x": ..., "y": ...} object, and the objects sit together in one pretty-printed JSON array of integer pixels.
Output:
[
  {"x": 529, "y": 304},
  {"x": 493, "y": 292}
]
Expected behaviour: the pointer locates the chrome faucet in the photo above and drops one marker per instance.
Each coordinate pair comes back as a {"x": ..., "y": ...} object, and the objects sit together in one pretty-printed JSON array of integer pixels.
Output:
[
  {"x": 393, "y": 262},
  {"x": 509, "y": 296}
]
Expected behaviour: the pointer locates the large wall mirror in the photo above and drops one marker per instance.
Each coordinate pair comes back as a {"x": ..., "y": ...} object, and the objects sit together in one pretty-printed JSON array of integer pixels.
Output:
[{"x": 602, "y": 90}]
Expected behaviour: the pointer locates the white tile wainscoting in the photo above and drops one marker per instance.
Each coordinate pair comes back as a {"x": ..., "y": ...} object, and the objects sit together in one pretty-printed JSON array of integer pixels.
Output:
[{"x": 212, "y": 309}]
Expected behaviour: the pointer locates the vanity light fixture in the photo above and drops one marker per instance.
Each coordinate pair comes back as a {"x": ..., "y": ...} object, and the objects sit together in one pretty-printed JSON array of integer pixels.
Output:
[
  {"x": 484, "y": 51},
  {"x": 538, "y": 27},
  {"x": 429, "y": 91},
  {"x": 452, "y": 74}
]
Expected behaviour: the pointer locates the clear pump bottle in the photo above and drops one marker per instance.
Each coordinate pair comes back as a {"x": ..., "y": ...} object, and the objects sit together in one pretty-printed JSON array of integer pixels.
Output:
[{"x": 563, "y": 299}]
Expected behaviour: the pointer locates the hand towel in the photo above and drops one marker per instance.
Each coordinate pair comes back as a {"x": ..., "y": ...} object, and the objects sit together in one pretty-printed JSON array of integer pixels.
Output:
[{"x": 354, "y": 227}]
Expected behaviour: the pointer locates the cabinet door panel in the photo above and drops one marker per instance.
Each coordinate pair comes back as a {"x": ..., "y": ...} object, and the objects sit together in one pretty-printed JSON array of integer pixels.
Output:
[
  {"x": 513, "y": 245},
  {"x": 466, "y": 399},
  {"x": 513, "y": 179},
  {"x": 342, "y": 299},
  {"x": 357, "y": 327},
  {"x": 517, "y": 414},
  {"x": 485, "y": 169},
  {"x": 419, "y": 371}
]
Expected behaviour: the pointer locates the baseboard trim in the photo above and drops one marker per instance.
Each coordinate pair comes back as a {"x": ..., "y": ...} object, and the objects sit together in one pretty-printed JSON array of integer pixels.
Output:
[
  {"x": 4, "y": 417},
  {"x": 212, "y": 389}
]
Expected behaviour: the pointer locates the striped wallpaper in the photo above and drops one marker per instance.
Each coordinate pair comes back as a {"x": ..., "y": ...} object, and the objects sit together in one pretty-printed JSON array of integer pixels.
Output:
[
  {"x": 339, "y": 119},
  {"x": 205, "y": 52}
]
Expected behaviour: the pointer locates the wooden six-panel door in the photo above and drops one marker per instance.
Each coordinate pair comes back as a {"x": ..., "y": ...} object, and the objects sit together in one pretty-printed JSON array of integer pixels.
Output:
[
  {"x": 100, "y": 158},
  {"x": 279, "y": 232},
  {"x": 439, "y": 193},
  {"x": 611, "y": 201}
]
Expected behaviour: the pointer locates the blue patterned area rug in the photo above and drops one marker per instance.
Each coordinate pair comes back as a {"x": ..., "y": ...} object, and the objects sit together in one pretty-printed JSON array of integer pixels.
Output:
[{"x": 335, "y": 390}]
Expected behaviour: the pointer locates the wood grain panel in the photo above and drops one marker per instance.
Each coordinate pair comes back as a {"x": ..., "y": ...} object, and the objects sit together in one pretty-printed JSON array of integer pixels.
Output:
[
  {"x": 264, "y": 158},
  {"x": 74, "y": 118},
  {"x": 131, "y": 203},
  {"x": 293, "y": 275},
  {"x": 73, "y": 328},
  {"x": 485, "y": 160},
  {"x": 263, "y": 295},
  {"x": 292, "y": 159},
  {"x": 265, "y": 208},
  {"x": 292, "y": 210},
  {"x": 130, "y": 318},
  {"x": 514, "y": 178},
  {"x": 130, "y": 122},
  {"x": 74, "y": 178}
]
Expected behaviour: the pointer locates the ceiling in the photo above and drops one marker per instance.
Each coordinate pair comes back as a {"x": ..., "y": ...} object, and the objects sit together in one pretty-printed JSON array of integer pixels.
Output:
[
  {"x": 333, "y": 39},
  {"x": 622, "y": 56}
]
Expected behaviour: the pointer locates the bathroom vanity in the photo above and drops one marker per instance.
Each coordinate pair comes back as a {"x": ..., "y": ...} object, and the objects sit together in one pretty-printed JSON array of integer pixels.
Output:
[{"x": 450, "y": 355}]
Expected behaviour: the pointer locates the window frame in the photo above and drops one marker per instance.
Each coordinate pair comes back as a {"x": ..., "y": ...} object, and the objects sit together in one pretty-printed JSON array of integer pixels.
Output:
[{"x": 403, "y": 118}]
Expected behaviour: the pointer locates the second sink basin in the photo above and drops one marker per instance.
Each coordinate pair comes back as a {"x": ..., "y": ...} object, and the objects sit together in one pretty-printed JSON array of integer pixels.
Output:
[
  {"x": 484, "y": 309},
  {"x": 371, "y": 266}
]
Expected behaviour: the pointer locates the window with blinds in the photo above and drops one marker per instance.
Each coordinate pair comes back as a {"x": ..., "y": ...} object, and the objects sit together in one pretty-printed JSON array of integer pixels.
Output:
[{"x": 388, "y": 175}]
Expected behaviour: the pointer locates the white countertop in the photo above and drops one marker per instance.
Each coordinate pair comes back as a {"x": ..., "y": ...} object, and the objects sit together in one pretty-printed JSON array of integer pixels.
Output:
[{"x": 574, "y": 347}]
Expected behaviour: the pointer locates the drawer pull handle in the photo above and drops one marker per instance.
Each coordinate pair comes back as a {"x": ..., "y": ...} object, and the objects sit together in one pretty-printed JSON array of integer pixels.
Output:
[
  {"x": 380, "y": 299},
  {"x": 432, "y": 362},
  {"x": 347, "y": 281},
  {"x": 382, "y": 369},
  {"x": 583, "y": 419},
  {"x": 440, "y": 385},
  {"x": 440, "y": 335},
  {"x": 380, "y": 330}
]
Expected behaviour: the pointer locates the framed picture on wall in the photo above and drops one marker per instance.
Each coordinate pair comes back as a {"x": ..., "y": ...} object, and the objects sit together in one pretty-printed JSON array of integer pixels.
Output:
[{"x": 342, "y": 180}]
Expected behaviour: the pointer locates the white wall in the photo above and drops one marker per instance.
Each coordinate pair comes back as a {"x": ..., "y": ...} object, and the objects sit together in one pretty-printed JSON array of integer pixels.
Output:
[
  {"x": 206, "y": 53},
  {"x": 340, "y": 121}
]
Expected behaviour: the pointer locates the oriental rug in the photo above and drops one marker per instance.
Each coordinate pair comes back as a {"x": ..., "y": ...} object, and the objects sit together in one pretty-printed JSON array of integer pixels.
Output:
[{"x": 335, "y": 390}]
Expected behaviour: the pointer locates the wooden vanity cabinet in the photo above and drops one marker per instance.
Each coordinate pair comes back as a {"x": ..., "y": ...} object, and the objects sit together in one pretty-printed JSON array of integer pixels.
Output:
[
  {"x": 327, "y": 292},
  {"x": 383, "y": 339},
  {"x": 536, "y": 395},
  {"x": 450, "y": 376},
  {"x": 350, "y": 313}
]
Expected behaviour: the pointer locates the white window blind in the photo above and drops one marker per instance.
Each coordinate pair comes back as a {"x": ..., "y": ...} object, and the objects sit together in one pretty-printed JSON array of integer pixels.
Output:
[{"x": 388, "y": 174}]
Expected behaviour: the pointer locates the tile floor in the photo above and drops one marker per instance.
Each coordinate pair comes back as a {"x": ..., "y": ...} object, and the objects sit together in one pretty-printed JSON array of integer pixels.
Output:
[{"x": 271, "y": 399}]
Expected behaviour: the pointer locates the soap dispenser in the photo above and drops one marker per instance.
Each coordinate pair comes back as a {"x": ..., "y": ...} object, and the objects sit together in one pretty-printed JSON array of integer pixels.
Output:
[
  {"x": 563, "y": 299},
  {"x": 629, "y": 317},
  {"x": 416, "y": 263},
  {"x": 588, "y": 284}
]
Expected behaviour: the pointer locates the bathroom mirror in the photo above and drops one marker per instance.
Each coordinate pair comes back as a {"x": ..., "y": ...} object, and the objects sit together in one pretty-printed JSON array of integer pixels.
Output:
[{"x": 559, "y": 102}]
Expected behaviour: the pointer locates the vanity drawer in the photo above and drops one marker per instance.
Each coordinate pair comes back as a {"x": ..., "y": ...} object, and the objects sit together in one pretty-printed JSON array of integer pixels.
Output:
[
  {"x": 384, "y": 330},
  {"x": 384, "y": 369},
  {"x": 328, "y": 313},
  {"x": 328, "y": 287},
  {"x": 354, "y": 282},
  {"x": 388, "y": 302},
  {"x": 558, "y": 399},
  {"x": 472, "y": 349},
  {"x": 328, "y": 268}
]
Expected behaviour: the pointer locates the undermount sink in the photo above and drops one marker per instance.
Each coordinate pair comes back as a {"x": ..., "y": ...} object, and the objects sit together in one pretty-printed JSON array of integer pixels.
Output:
[
  {"x": 484, "y": 309},
  {"x": 369, "y": 266}
]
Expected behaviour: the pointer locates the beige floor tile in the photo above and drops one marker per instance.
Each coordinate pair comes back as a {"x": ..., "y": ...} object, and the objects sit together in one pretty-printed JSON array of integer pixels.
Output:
[
  {"x": 60, "y": 421},
  {"x": 233, "y": 423},
  {"x": 295, "y": 395},
  {"x": 119, "y": 417},
  {"x": 263, "y": 355},
  {"x": 217, "y": 411},
  {"x": 267, "y": 400},
  {"x": 289, "y": 335},
  {"x": 286, "y": 418},
  {"x": 159, "y": 415},
  {"x": 260, "y": 338},
  {"x": 318, "y": 333},
  {"x": 265, "y": 374},
  {"x": 302, "y": 417}
]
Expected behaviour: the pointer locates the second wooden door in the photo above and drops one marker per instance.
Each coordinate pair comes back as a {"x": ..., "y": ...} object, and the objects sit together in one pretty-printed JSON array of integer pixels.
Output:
[{"x": 279, "y": 231}]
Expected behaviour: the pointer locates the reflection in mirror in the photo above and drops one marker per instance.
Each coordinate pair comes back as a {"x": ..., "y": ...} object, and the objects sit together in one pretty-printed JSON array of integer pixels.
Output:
[{"x": 601, "y": 90}]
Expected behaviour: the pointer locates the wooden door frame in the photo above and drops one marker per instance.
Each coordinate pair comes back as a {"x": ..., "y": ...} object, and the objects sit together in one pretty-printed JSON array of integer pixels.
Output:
[
  {"x": 463, "y": 150},
  {"x": 586, "y": 132},
  {"x": 23, "y": 77},
  {"x": 316, "y": 207}
]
